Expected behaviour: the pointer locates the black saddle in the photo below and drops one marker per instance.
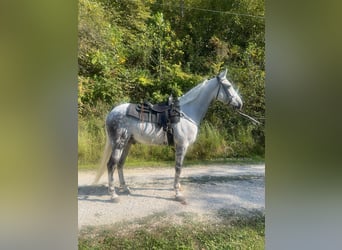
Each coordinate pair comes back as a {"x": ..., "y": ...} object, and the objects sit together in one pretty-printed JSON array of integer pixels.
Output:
[
  {"x": 159, "y": 108},
  {"x": 162, "y": 114}
]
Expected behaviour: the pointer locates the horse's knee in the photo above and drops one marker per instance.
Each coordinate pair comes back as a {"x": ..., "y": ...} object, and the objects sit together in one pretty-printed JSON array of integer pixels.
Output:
[
  {"x": 117, "y": 155},
  {"x": 110, "y": 164},
  {"x": 114, "y": 158}
]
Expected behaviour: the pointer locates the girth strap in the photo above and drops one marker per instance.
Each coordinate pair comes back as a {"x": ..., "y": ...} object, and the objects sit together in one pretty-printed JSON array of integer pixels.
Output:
[{"x": 162, "y": 114}]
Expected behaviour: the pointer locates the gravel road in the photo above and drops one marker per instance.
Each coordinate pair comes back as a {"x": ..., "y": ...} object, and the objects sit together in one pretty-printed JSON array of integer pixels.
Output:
[{"x": 208, "y": 190}]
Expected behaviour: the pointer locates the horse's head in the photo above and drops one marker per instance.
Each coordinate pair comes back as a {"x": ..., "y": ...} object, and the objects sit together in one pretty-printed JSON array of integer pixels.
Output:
[{"x": 226, "y": 93}]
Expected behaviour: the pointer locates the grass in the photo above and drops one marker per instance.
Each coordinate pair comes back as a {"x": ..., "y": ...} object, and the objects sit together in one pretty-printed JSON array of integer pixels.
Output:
[
  {"x": 211, "y": 145},
  {"x": 232, "y": 232},
  {"x": 136, "y": 163},
  {"x": 91, "y": 138}
]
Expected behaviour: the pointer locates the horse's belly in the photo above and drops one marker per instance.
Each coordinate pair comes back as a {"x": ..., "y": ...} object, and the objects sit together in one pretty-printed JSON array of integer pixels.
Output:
[{"x": 149, "y": 133}]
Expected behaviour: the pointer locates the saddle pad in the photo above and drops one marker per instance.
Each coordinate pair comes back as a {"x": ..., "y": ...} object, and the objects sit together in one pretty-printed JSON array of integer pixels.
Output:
[{"x": 145, "y": 115}]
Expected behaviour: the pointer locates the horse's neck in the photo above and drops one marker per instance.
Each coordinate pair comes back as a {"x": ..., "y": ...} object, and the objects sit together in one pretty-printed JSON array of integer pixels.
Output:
[{"x": 197, "y": 108}]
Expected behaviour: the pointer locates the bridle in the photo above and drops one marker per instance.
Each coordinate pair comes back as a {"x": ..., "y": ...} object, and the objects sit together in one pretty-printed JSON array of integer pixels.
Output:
[{"x": 230, "y": 97}]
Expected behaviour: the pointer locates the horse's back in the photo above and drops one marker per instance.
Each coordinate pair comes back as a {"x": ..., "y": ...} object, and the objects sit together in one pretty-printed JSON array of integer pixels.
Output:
[{"x": 118, "y": 111}]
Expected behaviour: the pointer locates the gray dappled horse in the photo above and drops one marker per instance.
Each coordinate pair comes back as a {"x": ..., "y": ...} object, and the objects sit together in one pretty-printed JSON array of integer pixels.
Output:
[{"x": 123, "y": 130}]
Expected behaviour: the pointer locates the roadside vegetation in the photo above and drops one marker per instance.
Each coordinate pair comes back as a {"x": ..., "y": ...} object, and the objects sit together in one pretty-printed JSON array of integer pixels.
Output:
[
  {"x": 131, "y": 51},
  {"x": 231, "y": 232},
  {"x": 212, "y": 144}
]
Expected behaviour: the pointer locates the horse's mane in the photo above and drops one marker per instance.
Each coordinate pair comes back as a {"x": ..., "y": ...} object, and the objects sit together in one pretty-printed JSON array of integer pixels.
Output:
[{"x": 192, "y": 93}]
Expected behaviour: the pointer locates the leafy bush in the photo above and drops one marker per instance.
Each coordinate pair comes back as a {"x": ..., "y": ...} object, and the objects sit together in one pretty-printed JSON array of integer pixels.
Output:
[{"x": 143, "y": 50}]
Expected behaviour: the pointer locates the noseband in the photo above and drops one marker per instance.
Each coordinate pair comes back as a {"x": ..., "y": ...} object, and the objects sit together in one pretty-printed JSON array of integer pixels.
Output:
[{"x": 230, "y": 97}]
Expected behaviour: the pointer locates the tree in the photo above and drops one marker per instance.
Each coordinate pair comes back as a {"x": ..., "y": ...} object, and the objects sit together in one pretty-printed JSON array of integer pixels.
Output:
[
  {"x": 100, "y": 56},
  {"x": 147, "y": 49}
]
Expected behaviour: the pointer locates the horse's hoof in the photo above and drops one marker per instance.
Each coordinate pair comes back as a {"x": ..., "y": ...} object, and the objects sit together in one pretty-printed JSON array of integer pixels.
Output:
[
  {"x": 125, "y": 190},
  {"x": 180, "y": 198},
  {"x": 115, "y": 199}
]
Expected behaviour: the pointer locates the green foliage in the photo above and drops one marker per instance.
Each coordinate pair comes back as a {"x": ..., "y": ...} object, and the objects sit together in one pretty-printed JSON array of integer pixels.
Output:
[
  {"x": 151, "y": 153},
  {"x": 166, "y": 46},
  {"x": 131, "y": 18},
  {"x": 145, "y": 50},
  {"x": 100, "y": 47},
  {"x": 100, "y": 57},
  {"x": 232, "y": 233},
  {"x": 91, "y": 138},
  {"x": 210, "y": 144}
]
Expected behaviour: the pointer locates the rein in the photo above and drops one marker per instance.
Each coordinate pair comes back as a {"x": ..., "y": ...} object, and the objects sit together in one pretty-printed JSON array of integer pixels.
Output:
[{"x": 249, "y": 117}]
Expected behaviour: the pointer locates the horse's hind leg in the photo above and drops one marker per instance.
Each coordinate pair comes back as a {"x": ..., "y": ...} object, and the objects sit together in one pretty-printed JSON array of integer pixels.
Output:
[
  {"x": 111, "y": 167},
  {"x": 115, "y": 160},
  {"x": 121, "y": 165},
  {"x": 119, "y": 143}
]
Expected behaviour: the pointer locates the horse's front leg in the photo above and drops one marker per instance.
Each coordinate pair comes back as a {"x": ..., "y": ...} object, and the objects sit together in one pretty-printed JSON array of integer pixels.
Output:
[{"x": 180, "y": 154}]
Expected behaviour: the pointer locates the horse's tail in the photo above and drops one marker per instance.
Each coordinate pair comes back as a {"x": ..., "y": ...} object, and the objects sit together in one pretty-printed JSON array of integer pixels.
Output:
[{"x": 104, "y": 160}]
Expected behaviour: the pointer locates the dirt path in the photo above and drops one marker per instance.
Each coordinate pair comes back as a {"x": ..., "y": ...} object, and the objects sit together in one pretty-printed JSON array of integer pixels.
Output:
[{"x": 208, "y": 190}]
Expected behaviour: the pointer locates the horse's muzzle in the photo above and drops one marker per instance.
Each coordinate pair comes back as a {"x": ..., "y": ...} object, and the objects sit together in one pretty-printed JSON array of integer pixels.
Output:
[{"x": 238, "y": 106}]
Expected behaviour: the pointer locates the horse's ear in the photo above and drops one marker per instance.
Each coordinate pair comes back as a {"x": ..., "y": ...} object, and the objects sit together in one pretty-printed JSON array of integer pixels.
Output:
[{"x": 223, "y": 73}]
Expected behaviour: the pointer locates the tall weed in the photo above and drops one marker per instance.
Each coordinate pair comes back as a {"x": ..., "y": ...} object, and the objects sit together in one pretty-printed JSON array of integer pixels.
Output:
[
  {"x": 91, "y": 140},
  {"x": 242, "y": 143},
  {"x": 211, "y": 143},
  {"x": 151, "y": 152}
]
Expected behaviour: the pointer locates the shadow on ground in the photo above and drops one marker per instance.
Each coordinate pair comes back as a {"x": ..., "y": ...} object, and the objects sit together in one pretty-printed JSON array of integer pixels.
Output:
[{"x": 100, "y": 193}]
